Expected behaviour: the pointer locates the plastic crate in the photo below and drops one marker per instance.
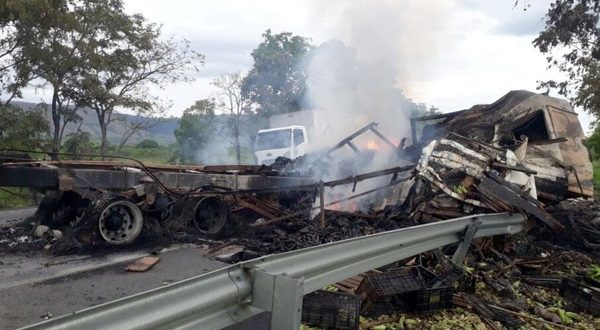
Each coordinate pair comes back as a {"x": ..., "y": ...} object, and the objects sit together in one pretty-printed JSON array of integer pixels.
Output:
[
  {"x": 331, "y": 309},
  {"x": 425, "y": 300},
  {"x": 381, "y": 287},
  {"x": 459, "y": 280},
  {"x": 581, "y": 295},
  {"x": 409, "y": 288}
]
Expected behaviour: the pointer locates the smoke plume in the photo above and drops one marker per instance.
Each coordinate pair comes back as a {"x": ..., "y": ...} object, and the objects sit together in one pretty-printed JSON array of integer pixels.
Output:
[{"x": 381, "y": 50}]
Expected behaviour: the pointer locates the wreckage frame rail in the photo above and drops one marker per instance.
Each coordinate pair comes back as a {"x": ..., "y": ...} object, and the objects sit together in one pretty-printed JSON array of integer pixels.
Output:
[
  {"x": 65, "y": 178},
  {"x": 269, "y": 290},
  {"x": 108, "y": 177}
]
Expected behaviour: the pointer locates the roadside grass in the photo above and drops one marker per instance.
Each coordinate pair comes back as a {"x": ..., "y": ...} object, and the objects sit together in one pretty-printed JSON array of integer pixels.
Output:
[
  {"x": 11, "y": 197},
  {"x": 154, "y": 156}
]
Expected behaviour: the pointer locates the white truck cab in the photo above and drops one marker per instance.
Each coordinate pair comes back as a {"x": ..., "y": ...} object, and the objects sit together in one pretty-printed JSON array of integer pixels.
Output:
[
  {"x": 296, "y": 133},
  {"x": 288, "y": 141}
]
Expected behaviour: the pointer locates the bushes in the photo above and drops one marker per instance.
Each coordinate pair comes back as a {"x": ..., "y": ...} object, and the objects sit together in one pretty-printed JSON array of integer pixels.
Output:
[{"x": 148, "y": 144}]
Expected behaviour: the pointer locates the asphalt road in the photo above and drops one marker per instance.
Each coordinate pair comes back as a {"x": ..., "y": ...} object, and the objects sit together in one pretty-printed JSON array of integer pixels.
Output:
[
  {"x": 35, "y": 285},
  {"x": 11, "y": 217}
]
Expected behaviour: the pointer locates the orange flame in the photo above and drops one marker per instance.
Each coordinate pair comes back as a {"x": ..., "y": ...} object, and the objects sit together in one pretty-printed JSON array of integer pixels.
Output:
[{"x": 372, "y": 144}]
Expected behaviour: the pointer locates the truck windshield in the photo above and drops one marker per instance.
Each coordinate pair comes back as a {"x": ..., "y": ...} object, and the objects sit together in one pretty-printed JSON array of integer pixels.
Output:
[{"x": 274, "y": 139}]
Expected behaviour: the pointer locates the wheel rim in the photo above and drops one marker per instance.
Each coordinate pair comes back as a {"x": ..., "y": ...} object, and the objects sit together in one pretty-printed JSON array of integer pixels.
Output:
[
  {"x": 210, "y": 215},
  {"x": 120, "y": 222}
]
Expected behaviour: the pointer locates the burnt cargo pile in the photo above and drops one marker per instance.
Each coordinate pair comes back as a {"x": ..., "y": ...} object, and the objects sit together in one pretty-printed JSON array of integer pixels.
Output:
[
  {"x": 523, "y": 152},
  {"x": 304, "y": 232}
]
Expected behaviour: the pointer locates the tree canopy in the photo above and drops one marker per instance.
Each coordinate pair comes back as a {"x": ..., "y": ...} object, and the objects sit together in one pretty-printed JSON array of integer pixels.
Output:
[
  {"x": 276, "y": 83},
  {"x": 23, "y": 129},
  {"x": 89, "y": 53},
  {"x": 571, "y": 43},
  {"x": 194, "y": 131},
  {"x": 124, "y": 59},
  {"x": 235, "y": 105}
]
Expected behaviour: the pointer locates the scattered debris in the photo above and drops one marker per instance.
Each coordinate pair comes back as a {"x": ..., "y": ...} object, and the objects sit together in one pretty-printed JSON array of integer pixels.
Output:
[
  {"x": 40, "y": 231},
  {"x": 143, "y": 264},
  {"x": 46, "y": 316},
  {"x": 227, "y": 253},
  {"x": 582, "y": 293}
]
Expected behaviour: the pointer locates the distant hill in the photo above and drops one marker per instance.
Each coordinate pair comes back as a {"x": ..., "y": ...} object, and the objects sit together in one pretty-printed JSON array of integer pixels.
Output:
[{"x": 161, "y": 133}]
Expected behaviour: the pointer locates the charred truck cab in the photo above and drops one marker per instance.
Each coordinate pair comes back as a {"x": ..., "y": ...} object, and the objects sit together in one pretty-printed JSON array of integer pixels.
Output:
[{"x": 542, "y": 133}]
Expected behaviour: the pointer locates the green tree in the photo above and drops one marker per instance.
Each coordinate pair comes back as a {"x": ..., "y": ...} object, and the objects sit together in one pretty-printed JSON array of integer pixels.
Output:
[
  {"x": 571, "y": 43},
  {"x": 593, "y": 143},
  {"x": 194, "y": 131},
  {"x": 133, "y": 126},
  {"x": 23, "y": 129},
  {"x": 52, "y": 40},
  {"x": 148, "y": 144},
  {"x": 78, "y": 143},
  {"x": 235, "y": 105},
  {"x": 276, "y": 83},
  {"x": 14, "y": 74},
  {"x": 124, "y": 61}
]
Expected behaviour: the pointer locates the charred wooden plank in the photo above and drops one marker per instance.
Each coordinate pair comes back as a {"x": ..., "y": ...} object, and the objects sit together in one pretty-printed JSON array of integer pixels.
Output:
[{"x": 494, "y": 190}]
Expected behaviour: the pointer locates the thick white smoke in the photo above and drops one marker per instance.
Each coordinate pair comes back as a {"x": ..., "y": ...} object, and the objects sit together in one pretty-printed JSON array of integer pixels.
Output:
[{"x": 383, "y": 49}]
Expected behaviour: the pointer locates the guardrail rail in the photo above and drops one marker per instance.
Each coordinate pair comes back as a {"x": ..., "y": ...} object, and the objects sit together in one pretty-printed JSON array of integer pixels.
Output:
[{"x": 270, "y": 289}]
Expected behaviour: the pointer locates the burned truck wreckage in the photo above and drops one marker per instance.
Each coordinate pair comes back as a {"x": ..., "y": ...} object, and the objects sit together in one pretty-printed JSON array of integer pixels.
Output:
[{"x": 520, "y": 154}]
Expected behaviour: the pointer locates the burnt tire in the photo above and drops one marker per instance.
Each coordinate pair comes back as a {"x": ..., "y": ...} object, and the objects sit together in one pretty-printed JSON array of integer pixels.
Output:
[
  {"x": 117, "y": 220},
  {"x": 211, "y": 216}
]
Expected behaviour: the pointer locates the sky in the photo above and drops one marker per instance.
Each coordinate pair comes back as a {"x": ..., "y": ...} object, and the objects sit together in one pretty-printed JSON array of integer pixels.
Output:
[{"x": 451, "y": 54}]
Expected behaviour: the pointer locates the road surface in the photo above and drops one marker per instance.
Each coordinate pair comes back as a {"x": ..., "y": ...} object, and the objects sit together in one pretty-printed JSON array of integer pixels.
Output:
[
  {"x": 37, "y": 285},
  {"x": 11, "y": 217}
]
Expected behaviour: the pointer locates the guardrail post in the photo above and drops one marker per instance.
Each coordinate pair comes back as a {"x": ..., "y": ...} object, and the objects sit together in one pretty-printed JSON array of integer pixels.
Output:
[
  {"x": 280, "y": 294},
  {"x": 465, "y": 243}
]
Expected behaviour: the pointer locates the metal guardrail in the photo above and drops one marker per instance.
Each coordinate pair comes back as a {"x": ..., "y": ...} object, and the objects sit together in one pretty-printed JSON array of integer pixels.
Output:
[{"x": 276, "y": 283}]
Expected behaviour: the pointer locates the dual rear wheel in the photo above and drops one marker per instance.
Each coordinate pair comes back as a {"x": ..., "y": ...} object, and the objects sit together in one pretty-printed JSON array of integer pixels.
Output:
[{"x": 120, "y": 221}]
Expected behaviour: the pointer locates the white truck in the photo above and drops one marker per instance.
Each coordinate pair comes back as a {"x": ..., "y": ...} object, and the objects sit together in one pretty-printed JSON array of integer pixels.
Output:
[{"x": 294, "y": 134}]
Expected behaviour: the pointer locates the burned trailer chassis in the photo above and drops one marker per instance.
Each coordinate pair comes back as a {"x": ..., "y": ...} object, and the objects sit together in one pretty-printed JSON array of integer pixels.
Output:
[
  {"x": 117, "y": 201},
  {"x": 104, "y": 202}
]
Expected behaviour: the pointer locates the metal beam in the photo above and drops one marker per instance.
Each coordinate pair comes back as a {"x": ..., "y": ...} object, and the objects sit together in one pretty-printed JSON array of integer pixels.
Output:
[
  {"x": 273, "y": 283},
  {"x": 126, "y": 178}
]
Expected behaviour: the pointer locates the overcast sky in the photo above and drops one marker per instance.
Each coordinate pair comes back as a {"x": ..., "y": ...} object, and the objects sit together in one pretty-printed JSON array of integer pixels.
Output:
[{"x": 450, "y": 54}]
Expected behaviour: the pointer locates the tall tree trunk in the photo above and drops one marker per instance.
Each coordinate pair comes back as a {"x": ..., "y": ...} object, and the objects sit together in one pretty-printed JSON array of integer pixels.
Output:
[
  {"x": 62, "y": 130},
  {"x": 104, "y": 142},
  {"x": 103, "y": 132},
  {"x": 56, "y": 122}
]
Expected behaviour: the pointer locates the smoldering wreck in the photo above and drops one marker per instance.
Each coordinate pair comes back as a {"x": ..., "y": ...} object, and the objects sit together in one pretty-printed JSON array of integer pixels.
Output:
[
  {"x": 524, "y": 153},
  {"x": 520, "y": 153}
]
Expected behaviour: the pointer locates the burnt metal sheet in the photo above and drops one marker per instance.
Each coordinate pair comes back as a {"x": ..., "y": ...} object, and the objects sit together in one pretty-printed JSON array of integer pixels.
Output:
[
  {"x": 490, "y": 187},
  {"x": 574, "y": 153}
]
